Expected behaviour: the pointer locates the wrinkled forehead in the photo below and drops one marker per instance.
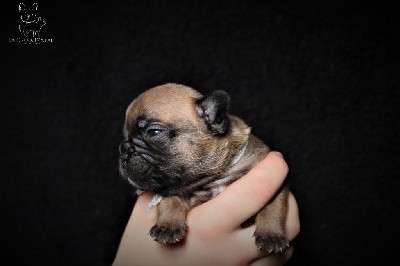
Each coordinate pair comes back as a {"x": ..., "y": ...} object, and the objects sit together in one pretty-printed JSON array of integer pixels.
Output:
[{"x": 169, "y": 104}]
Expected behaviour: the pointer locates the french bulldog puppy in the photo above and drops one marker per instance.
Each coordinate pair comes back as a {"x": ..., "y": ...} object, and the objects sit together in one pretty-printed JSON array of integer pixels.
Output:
[{"x": 187, "y": 148}]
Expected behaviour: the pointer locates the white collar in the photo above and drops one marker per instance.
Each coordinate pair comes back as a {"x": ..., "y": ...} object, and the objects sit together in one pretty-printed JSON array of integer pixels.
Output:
[
  {"x": 154, "y": 201},
  {"x": 240, "y": 154}
]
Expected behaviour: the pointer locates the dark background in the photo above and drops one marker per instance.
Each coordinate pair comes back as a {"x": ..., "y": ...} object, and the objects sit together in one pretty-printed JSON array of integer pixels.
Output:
[{"x": 317, "y": 80}]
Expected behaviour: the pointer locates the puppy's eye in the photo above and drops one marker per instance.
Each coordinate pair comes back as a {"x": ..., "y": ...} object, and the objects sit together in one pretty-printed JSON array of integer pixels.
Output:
[{"x": 152, "y": 132}]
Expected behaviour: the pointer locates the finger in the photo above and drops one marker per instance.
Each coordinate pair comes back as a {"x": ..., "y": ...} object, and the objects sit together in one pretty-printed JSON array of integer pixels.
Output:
[
  {"x": 246, "y": 196},
  {"x": 245, "y": 241},
  {"x": 140, "y": 207},
  {"x": 244, "y": 237},
  {"x": 287, "y": 254},
  {"x": 136, "y": 231},
  {"x": 292, "y": 226}
]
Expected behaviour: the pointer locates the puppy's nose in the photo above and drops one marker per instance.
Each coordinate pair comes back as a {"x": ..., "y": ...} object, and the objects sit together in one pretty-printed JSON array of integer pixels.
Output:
[{"x": 126, "y": 147}]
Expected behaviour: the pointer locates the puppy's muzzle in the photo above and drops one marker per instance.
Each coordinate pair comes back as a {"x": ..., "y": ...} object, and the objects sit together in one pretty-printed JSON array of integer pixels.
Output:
[{"x": 126, "y": 150}]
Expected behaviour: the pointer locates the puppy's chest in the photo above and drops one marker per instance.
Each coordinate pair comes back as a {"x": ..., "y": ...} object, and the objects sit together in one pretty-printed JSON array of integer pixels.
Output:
[{"x": 210, "y": 190}]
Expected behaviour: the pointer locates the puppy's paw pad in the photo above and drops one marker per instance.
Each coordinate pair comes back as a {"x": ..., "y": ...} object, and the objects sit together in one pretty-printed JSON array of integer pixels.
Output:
[
  {"x": 271, "y": 243},
  {"x": 168, "y": 234}
]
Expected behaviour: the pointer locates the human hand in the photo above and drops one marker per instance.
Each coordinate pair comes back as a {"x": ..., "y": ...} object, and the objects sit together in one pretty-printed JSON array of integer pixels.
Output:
[{"x": 214, "y": 235}]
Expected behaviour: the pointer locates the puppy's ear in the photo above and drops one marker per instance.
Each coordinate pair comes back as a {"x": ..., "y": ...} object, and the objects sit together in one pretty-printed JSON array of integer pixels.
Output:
[{"x": 213, "y": 108}]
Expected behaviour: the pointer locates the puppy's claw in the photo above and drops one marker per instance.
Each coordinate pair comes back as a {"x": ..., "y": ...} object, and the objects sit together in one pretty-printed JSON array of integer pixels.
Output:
[
  {"x": 271, "y": 243},
  {"x": 167, "y": 234}
]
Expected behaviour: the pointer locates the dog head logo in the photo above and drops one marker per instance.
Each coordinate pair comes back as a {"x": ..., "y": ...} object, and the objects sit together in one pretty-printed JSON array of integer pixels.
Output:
[{"x": 30, "y": 24}]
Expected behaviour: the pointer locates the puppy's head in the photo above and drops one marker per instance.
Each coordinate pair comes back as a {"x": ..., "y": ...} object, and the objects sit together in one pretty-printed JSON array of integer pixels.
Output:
[{"x": 174, "y": 138}]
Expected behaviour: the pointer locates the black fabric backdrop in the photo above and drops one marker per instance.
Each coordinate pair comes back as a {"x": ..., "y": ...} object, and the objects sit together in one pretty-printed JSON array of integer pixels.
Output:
[{"x": 317, "y": 80}]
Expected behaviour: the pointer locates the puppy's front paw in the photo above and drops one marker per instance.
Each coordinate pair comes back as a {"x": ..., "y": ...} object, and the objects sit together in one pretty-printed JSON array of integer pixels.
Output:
[
  {"x": 168, "y": 233},
  {"x": 271, "y": 243}
]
